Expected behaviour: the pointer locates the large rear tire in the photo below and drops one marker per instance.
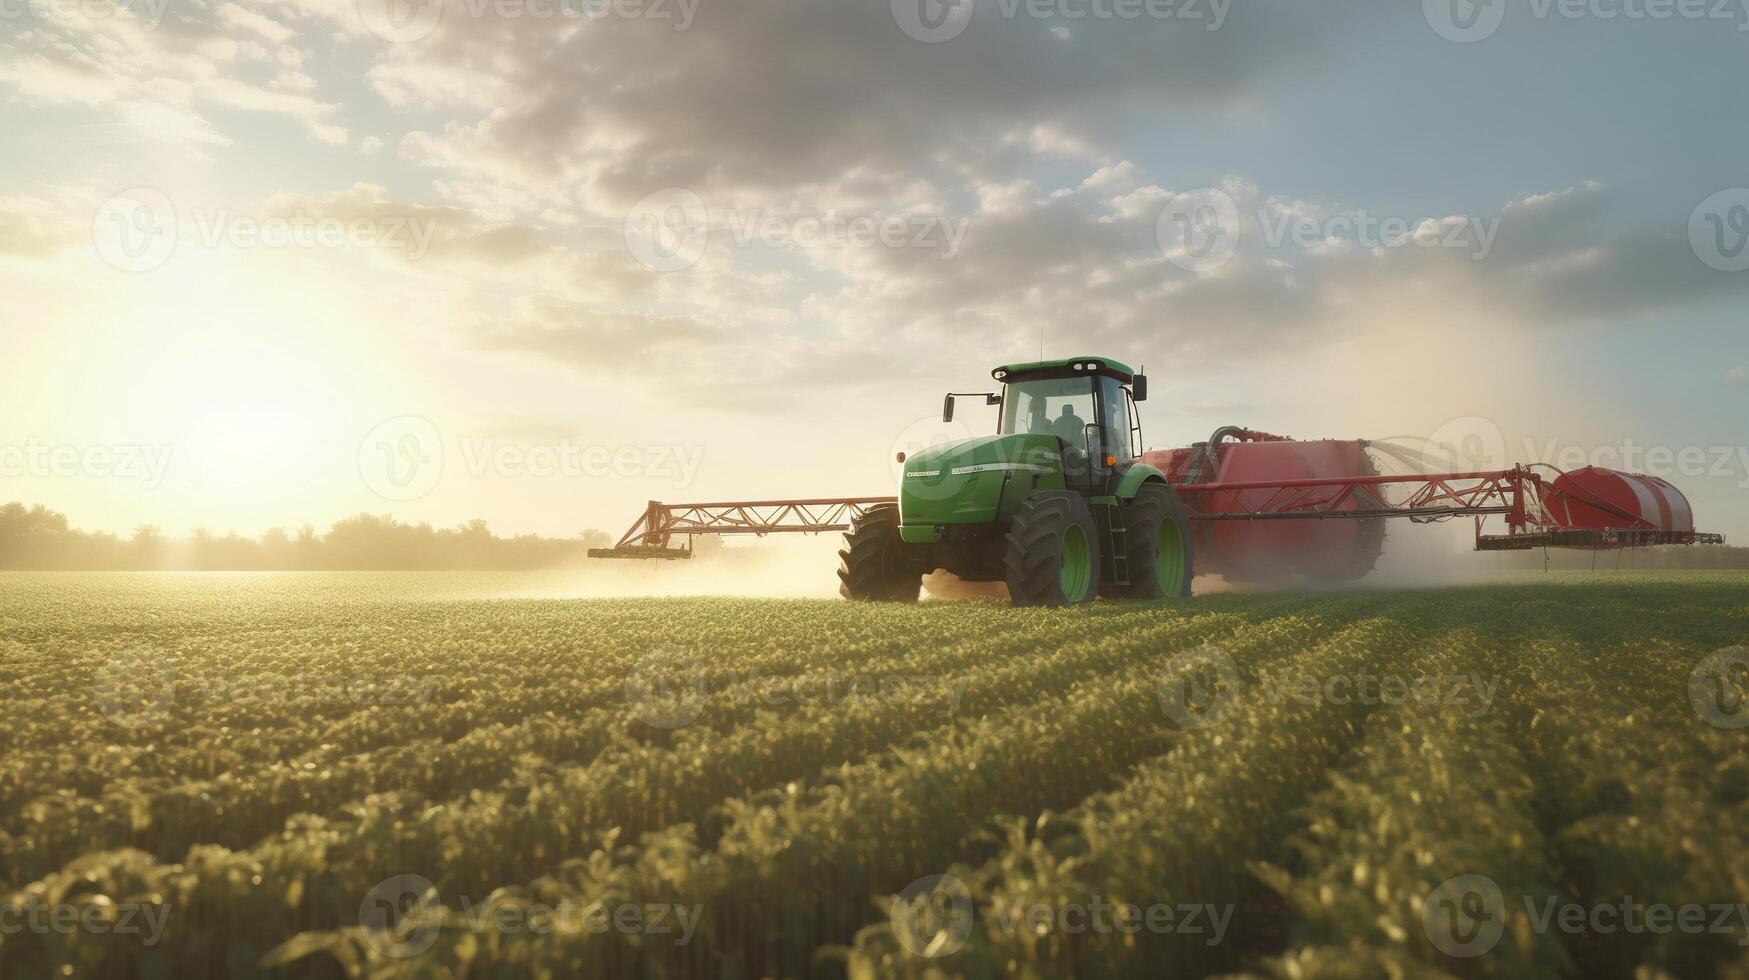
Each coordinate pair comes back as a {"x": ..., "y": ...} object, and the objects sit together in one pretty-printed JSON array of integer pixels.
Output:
[
  {"x": 873, "y": 565},
  {"x": 1162, "y": 549},
  {"x": 1053, "y": 551}
]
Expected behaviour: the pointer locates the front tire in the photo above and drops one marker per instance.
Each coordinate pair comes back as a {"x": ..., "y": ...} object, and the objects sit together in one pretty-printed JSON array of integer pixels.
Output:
[
  {"x": 1162, "y": 550},
  {"x": 873, "y": 565},
  {"x": 1053, "y": 551}
]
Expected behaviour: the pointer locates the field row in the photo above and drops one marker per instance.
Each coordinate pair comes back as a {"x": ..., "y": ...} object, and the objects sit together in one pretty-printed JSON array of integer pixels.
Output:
[{"x": 1353, "y": 784}]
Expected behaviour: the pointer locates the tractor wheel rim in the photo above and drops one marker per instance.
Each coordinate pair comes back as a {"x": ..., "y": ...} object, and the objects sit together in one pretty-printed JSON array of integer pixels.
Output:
[
  {"x": 1075, "y": 573},
  {"x": 1169, "y": 558}
]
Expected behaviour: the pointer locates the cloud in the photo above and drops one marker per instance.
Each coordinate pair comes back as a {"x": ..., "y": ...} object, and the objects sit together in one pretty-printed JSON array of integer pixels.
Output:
[
  {"x": 156, "y": 66},
  {"x": 767, "y": 96},
  {"x": 539, "y": 135},
  {"x": 1082, "y": 261}
]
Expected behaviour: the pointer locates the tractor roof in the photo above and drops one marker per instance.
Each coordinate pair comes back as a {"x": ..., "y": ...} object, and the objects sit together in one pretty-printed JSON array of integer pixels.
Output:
[{"x": 1091, "y": 362}]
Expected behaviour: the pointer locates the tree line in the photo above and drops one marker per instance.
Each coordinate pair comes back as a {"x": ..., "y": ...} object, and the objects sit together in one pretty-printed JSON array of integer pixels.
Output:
[{"x": 38, "y": 539}]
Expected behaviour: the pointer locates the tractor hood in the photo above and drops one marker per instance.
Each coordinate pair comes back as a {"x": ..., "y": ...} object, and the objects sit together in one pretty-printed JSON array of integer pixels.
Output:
[{"x": 977, "y": 481}]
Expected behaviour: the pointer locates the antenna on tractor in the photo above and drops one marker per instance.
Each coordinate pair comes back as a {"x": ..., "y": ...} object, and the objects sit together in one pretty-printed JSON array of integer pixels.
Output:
[{"x": 1041, "y": 341}]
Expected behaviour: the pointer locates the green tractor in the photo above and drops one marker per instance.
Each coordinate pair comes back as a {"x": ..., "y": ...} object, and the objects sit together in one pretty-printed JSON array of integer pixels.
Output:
[{"x": 1056, "y": 503}]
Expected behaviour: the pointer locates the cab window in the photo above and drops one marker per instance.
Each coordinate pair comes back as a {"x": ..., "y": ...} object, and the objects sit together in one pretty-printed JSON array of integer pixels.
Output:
[
  {"x": 1062, "y": 407},
  {"x": 1116, "y": 417}
]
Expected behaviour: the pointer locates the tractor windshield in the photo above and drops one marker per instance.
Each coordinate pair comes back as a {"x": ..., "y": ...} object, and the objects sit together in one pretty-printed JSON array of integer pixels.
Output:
[{"x": 1062, "y": 407}]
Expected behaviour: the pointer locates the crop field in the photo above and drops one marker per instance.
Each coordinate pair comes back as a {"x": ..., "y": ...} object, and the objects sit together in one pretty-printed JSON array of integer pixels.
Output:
[{"x": 397, "y": 775}]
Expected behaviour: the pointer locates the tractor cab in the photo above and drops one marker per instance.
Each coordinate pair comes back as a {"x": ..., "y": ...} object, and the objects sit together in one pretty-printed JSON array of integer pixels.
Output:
[{"x": 1087, "y": 402}]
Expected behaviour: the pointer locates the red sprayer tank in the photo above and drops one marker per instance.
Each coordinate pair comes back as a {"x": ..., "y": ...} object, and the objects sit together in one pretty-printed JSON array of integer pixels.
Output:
[
  {"x": 1595, "y": 497},
  {"x": 1273, "y": 550}
]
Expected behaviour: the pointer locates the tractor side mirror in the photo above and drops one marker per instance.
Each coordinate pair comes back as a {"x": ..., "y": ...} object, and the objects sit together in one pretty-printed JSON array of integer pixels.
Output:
[
  {"x": 947, "y": 409},
  {"x": 1139, "y": 388}
]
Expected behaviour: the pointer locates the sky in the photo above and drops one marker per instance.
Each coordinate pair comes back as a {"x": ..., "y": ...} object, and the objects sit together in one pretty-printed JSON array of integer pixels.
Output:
[{"x": 539, "y": 261}]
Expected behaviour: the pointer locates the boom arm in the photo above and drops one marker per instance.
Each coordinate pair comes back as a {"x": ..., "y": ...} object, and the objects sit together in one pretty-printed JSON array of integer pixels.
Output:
[
  {"x": 1516, "y": 494},
  {"x": 650, "y": 535}
]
